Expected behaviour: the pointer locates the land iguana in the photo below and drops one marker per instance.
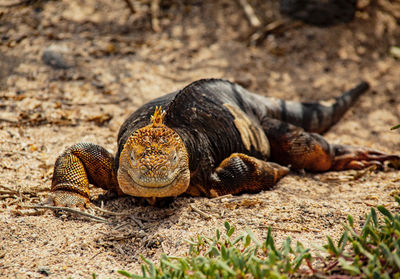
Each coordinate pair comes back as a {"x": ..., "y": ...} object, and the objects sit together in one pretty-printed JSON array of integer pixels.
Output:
[{"x": 211, "y": 138}]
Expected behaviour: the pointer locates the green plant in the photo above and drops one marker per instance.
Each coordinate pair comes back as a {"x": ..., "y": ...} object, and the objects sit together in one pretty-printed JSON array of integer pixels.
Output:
[
  {"x": 222, "y": 257},
  {"x": 373, "y": 252}
]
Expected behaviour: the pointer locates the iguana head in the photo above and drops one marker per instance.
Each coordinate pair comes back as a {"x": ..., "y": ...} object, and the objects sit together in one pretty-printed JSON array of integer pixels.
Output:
[{"x": 154, "y": 161}]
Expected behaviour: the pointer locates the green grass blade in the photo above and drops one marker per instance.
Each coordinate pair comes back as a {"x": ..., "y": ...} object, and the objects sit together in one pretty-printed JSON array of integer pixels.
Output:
[
  {"x": 395, "y": 127},
  {"x": 348, "y": 267},
  {"x": 332, "y": 247},
  {"x": 385, "y": 212},
  {"x": 253, "y": 237}
]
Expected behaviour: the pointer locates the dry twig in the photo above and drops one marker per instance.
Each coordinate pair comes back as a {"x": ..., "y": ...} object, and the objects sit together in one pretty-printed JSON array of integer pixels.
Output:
[
  {"x": 155, "y": 9},
  {"x": 111, "y": 102},
  {"x": 364, "y": 172},
  {"x": 102, "y": 210},
  {"x": 259, "y": 35},
  {"x": 23, "y": 3},
  {"x": 202, "y": 213},
  {"x": 8, "y": 120},
  {"x": 222, "y": 197},
  {"x": 137, "y": 221},
  {"x": 67, "y": 209},
  {"x": 130, "y": 6},
  {"x": 250, "y": 14},
  {"x": 9, "y": 190}
]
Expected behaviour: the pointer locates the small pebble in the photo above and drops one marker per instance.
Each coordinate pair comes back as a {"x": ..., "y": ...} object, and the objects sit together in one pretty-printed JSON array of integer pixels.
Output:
[{"x": 55, "y": 56}]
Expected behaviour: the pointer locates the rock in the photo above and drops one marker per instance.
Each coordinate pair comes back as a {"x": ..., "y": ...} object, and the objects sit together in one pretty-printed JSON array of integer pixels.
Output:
[
  {"x": 320, "y": 12},
  {"x": 58, "y": 57}
]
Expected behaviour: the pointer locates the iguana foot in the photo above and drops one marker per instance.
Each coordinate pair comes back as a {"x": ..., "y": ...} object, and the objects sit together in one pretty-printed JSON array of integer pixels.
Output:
[
  {"x": 242, "y": 173},
  {"x": 348, "y": 157},
  {"x": 68, "y": 199},
  {"x": 77, "y": 167}
]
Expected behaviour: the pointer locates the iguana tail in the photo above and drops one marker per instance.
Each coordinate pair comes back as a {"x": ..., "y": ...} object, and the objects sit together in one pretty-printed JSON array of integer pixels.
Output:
[{"x": 319, "y": 116}]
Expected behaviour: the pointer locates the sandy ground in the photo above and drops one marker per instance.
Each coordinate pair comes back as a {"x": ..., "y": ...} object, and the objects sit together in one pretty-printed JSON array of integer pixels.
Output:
[{"x": 116, "y": 62}]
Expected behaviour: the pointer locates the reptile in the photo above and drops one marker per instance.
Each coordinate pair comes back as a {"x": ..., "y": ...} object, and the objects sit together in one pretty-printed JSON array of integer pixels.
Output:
[{"x": 211, "y": 138}]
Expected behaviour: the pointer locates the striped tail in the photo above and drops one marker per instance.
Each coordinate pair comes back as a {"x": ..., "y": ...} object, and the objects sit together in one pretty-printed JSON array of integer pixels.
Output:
[{"x": 318, "y": 117}]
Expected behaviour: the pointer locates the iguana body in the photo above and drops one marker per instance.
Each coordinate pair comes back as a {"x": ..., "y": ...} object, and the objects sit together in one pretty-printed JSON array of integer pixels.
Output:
[{"x": 212, "y": 138}]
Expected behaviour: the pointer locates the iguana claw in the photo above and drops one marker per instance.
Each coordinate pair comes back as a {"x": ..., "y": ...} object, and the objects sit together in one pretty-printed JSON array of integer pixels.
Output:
[
  {"x": 348, "y": 157},
  {"x": 68, "y": 199}
]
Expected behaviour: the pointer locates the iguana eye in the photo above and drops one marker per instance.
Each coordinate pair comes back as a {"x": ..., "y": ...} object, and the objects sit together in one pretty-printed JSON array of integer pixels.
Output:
[
  {"x": 174, "y": 158},
  {"x": 133, "y": 157}
]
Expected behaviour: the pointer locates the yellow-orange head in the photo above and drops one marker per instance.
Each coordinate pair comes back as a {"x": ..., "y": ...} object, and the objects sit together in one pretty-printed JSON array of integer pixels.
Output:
[{"x": 154, "y": 161}]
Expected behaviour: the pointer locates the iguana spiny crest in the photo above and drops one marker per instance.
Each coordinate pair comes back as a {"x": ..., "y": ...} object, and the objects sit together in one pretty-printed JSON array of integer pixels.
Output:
[{"x": 154, "y": 161}]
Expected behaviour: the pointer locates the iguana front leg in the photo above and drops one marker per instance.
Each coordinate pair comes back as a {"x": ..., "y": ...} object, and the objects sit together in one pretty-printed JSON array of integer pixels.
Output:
[
  {"x": 80, "y": 165},
  {"x": 241, "y": 173}
]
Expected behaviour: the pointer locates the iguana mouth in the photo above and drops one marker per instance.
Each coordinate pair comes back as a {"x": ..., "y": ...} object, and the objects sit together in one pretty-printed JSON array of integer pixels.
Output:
[
  {"x": 172, "y": 187},
  {"x": 152, "y": 183}
]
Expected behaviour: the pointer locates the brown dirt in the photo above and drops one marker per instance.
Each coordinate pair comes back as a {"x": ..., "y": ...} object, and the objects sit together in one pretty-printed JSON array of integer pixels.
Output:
[{"x": 118, "y": 63}]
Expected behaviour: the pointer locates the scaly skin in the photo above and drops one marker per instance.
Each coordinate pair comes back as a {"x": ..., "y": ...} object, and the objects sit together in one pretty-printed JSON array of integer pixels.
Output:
[
  {"x": 154, "y": 162},
  {"x": 80, "y": 165},
  {"x": 214, "y": 138}
]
